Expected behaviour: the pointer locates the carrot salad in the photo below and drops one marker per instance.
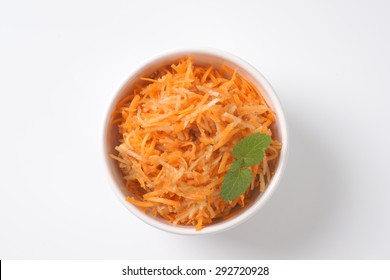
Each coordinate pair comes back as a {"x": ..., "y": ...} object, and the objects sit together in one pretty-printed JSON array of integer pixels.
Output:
[{"x": 177, "y": 129}]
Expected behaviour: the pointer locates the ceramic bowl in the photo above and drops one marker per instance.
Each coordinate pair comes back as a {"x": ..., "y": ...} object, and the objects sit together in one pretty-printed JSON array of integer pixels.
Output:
[{"x": 202, "y": 56}]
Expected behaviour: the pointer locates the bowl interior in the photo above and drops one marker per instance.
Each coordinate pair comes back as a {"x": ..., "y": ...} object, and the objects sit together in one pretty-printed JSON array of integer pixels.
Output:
[{"x": 216, "y": 58}]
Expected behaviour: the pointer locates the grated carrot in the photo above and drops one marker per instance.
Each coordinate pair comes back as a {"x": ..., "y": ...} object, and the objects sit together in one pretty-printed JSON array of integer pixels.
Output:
[{"x": 177, "y": 129}]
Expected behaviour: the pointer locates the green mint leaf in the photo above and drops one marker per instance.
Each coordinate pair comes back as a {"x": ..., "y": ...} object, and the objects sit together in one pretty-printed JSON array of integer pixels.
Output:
[
  {"x": 236, "y": 165},
  {"x": 251, "y": 149},
  {"x": 235, "y": 183}
]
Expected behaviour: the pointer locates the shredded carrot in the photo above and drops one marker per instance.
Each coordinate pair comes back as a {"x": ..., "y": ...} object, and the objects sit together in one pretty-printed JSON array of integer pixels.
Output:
[
  {"x": 139, "y": 203},
  {"x": 177, "y": 129},
  {"x": 164, "y": 201}
]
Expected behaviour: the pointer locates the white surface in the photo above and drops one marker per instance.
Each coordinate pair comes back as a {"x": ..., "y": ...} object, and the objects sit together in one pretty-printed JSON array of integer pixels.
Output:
[
  {"x": 192, "y": 269},
  {"x": 327, "y": 60}
]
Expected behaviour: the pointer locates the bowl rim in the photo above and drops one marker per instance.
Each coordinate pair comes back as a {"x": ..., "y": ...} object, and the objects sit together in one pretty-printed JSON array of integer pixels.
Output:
[{"x": 282, "y": 124}]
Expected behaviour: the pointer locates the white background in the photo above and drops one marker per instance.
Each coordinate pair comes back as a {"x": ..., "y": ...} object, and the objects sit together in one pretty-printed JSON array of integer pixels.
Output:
[
  {"x": 113, "y": 269},
  {"x": 60, "y": 62}
]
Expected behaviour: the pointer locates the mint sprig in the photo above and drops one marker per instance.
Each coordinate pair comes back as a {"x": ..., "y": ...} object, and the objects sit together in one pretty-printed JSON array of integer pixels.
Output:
[{"x": 248, "y": 152}]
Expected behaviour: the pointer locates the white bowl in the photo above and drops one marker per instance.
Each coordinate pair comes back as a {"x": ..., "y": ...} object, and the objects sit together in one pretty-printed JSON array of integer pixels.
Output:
[{"x": 206, "y": 56}]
